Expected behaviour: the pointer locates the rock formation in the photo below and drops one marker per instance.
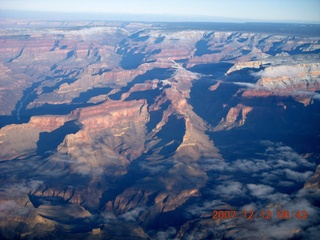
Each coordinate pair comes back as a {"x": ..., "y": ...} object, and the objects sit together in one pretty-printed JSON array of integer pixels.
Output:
[{"x": 113, "y": 130}]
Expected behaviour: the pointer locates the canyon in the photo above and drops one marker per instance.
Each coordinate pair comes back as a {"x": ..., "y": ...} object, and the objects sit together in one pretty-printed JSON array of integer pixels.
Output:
[{"x": 141, "y": 130}]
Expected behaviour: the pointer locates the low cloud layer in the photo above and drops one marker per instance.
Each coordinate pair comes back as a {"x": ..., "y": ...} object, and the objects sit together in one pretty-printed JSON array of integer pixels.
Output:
[
  {"x": 279, "y": 71},
  {"x": 273, "y": 182}
]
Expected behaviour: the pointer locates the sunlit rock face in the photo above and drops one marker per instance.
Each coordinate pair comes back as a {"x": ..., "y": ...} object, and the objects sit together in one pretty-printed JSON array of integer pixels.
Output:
[{"x": 140, "y": 131}]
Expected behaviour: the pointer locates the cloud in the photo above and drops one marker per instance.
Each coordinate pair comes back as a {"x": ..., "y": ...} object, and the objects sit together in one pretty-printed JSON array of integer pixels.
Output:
[
  {"x": 286, "y": 183},
  {"x": 270, "y": 182},
  {"x": 212, "y": 165},
  {"x": 279, "y": 71},
  {"x": 205, "y": 207},
  {"x": 169, "y": 234},
  {"x": 132, "y": 215},
  {"x": 277, "y": 198},
  {"x": 285, "y": 164},
  {"x": 153, "y": 169},
  {"x": 12, "y": 209},
  {"x": 264, "y": 229},
  {"x": 109, "y": 217},
  {"x": 282, "y": 229},
  {"x": 250, "y": 206},
  {"x": 316, "y": 96},
  {"x": 276, "y": 86},
  {"x": 249, "y": 166},
  {"x": 297, "y": 176},
  {"x": 259, "y": 190},
  {"x": 34, "y": 185},
  {"x": 231, "y": 189},
  {"x": 249, "y": 85},
  {"x": 275, "y": 158}
]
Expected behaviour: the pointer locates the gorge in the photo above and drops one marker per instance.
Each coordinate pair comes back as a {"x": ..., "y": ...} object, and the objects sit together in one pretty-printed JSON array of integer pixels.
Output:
[{"x": 128, "y": 130}]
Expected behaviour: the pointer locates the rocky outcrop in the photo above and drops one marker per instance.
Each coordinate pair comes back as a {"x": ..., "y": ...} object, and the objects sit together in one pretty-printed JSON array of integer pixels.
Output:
[
  {"x": 236, "y": 117},
  {"x": 68, "y": 194},
  {"x": 21, "y": 139},
  {"x": 115, "y": 131},
  {"x": 300, "y": 77},
  {"x": 241, "y": 65},
  {"x": 42, "y": 54},
  {"x": 314, "y": 181},
  {"x": 48, "y": 123},
  {"x": 283, "y": 75},
  {"x": 98, "y": 49},
  {"x": 131, "y": 150}
]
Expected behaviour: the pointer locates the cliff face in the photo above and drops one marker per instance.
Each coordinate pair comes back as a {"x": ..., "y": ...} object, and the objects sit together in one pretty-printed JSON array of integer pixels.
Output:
[
  {"x": 21, "y": 140},
  {"x": 303, "y": 77},
  {"x": 236, "y": 117},
  {"x": 70, "y": 60},
  {"x": 114, "y": 131},
  {"x": 117, "y": 126},
  {"x": 276, "y": 77}
]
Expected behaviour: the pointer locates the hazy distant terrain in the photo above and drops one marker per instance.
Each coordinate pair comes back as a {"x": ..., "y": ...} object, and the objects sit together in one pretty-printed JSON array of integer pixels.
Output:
[{"x": 128, "y": 130}]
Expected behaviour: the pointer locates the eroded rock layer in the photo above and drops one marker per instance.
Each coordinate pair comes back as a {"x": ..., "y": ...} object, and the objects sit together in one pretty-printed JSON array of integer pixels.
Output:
[{"x": 114, "y": 130}]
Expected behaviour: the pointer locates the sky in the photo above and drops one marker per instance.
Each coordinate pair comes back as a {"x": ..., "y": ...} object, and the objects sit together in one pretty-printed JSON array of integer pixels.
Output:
[{"x": 255, "y": 10}]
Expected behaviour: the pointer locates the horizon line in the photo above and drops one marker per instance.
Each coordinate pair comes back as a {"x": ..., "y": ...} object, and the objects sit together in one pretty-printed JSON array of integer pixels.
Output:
[{"x": 135, "y": 17}]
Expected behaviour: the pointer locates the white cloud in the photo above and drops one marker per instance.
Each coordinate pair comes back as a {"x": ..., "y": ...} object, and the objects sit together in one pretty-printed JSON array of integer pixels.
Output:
[
  {"x": 231, "y": 189},
  {"x": 316, "y": 96},
  {"x": 279, "y": 167},
  {"x": 12, "y": 209},
  {"x": 279, "y": 71},
  {"x": 297, "y": 176},
  {"x": 260, "y": 190},
  {"x": 212, "y": 165},
  {"x": 205, "y": 207},
  {"x": 152, "y": 169},
  {"x": 132, "y": 215},
  {"x": 166, "y": 235},
  {"x": 286, "y": 183},
  {"x": 248, "y": 166},
  {"x": 249, "y": 85}
]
